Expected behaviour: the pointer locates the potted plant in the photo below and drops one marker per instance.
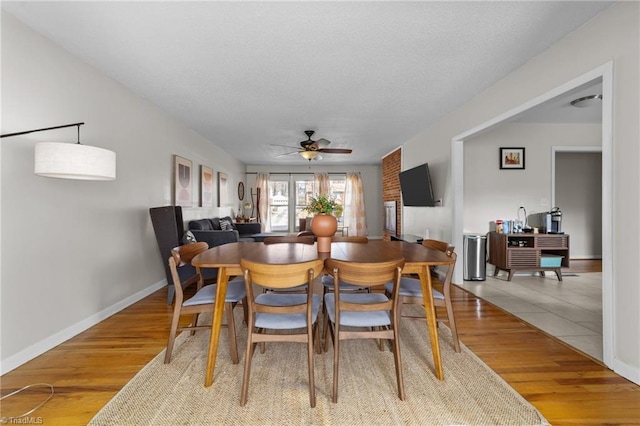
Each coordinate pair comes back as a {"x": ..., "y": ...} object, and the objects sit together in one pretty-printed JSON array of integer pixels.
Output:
[
  {"x": 323, "y": 204},
  {"x": 324, "y": 223}
]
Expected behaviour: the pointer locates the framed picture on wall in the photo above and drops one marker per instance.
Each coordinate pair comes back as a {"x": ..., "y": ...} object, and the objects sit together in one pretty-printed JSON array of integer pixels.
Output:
[
  {"x": 206, "y": 186},
  {"x": 512, "y": 158},
  {"x": 183, "y": 192},
  {"x": 223, "y": 191}
]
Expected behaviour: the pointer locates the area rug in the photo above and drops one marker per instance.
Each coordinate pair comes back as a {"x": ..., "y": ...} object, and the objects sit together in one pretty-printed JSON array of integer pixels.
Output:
[{"x": 174, "y": 394}]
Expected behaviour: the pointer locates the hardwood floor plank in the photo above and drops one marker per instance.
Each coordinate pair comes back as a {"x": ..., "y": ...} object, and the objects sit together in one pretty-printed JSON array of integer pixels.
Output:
[{"x": 88, "y": 370}]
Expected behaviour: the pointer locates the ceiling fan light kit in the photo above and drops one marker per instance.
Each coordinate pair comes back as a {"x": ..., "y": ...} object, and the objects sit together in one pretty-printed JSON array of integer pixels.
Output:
[{"x": 310, "y": 149}]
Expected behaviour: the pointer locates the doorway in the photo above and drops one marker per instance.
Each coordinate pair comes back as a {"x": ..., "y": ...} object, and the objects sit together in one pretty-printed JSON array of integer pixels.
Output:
[{"x": 605, "y": 74}]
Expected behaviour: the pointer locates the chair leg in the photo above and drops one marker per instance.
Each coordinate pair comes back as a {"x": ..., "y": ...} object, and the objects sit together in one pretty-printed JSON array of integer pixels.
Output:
[
  {"x": 317, "y": 344},
  {"x": 398, "y": 360},
  {"x": 452, "y": 325},
  {"x": 336, "y": 358},
  {"x": 245, "y": 309},
  {"x": 325, "y": 331},
  {"x": 194, "y": 322},
  {"x": 310, "y": 350},
  {"x": 247, "y": 368},
  {"x": 231, "y": 328},
  {"x": 172, "y": 334}
]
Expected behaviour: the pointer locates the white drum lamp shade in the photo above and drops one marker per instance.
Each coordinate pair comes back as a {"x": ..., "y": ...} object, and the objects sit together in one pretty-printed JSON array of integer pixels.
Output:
[{"x": 74, "y": 161}]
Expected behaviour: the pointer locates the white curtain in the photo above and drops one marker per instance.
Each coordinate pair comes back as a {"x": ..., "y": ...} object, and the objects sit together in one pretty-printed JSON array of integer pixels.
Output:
[
  {"x": 262, "y": 188},
  {"x": 354, "y": 215},
  {"x": 321, "y": 184}
]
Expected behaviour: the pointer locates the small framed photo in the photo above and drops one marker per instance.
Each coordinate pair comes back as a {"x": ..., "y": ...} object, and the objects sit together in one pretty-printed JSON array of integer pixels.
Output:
[
  {"x": 206, "y": 186},
  {"x": 512, "y": 158}
]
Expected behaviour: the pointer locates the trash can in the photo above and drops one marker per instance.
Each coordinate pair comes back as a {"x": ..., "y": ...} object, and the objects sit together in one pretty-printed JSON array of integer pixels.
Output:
[{"x": 475, "y": 257}]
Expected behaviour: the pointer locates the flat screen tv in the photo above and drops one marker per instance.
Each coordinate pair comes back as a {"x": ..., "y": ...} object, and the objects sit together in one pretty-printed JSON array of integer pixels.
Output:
[{"x": 415, "y": 185}]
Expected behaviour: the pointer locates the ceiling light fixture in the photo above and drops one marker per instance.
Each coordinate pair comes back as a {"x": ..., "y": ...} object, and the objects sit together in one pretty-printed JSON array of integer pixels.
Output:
[
  {"x": 587, "y": 101},
  {"x": 71, "y": 161},
  {"x": 309, "y": 155}
]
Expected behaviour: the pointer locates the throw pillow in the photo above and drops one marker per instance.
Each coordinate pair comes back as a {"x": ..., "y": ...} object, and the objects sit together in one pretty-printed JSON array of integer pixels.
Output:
[
  {"x": 225, "y": 225},
  {"x": 188, "y": 238}
]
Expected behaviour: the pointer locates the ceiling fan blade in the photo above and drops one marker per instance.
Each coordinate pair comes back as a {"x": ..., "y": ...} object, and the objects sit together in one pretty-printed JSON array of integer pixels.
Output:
[
  {"x": 322, "y": 143},
  {"x": 288, "y": 153},
  {"x": 335, "y": 151},
  {"x": 286, "y": 146}
]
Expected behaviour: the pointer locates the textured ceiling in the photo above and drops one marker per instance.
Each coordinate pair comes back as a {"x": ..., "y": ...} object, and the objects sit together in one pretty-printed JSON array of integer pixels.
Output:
[{"x": 365, "y": 75}]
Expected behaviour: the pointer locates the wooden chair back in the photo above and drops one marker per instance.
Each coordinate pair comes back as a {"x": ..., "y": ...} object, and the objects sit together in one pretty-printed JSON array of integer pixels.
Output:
[
  {"x": 181, "y": 256},
  {"x": 365, "y": 274},
  {"x": 276, "y": 276},
  {"x": 354, "y": 239},
  {"x": 306, "y": 234},
  {"x": 442, "y": 246},
  {"x": 289, "y": 239}
]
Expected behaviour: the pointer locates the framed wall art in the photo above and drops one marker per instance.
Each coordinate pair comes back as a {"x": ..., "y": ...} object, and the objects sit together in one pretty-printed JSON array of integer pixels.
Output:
[
  {"x": 223, "y": 191},
  {"x": 206, "y": 186},
  {"x": 512, "y": 158},
  {"x": 183, "y": 192}
]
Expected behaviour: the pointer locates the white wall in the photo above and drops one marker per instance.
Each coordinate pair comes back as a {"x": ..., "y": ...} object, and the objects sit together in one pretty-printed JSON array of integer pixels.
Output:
[
  {"x": 371, "y": 177},
  {"x": 612, "y": 36},
  {"x": 74, "y": 252},
  {"x": 491, "y": 193},
  {"x": 579, "y": 193}
]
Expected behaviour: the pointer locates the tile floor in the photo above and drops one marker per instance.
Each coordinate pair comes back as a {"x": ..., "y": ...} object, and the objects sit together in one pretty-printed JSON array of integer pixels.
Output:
[{"x": 570, "y": 310}]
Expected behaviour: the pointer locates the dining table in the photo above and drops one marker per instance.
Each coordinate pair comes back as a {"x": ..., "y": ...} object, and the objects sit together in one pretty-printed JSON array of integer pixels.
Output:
[{"x": 226, "y": 258}]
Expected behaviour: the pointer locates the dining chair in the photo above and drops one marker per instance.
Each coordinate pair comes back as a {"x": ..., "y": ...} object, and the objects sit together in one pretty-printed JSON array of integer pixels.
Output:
[
  {"x": 203, "y": 300},
  {"x": 327, "y": 285},
  {"x": 281, "y": 311},
  {"x": 411, "y": 290},
  {"x": 288, "y": 239},
  {"x": 358, "y": 315}
]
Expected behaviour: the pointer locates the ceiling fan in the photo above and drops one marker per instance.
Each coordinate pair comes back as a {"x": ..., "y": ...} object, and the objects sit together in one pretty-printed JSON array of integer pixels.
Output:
[{"x": 310, "y": 150}]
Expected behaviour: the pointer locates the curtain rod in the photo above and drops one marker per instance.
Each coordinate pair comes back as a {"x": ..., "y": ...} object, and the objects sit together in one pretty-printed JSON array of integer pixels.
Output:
[{"x": 295, "y": 173}]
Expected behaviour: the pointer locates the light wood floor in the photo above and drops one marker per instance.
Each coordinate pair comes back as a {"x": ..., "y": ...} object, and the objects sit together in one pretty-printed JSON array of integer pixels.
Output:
[{"x": 88, "y": 370}]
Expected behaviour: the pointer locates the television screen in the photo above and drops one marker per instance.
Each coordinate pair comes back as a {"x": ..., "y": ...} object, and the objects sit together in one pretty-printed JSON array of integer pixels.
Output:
[{"x": 415, "y": 185}]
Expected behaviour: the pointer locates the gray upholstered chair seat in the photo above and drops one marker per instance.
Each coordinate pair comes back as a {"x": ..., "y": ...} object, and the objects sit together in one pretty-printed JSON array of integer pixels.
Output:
[
  {"x": 354, "y": 318},
  {"x": 411, "y": 287},
  {"x": 327, "y": 281},
  {"x": 207, "y": 294},
  {"x": 285, "y": 321}
]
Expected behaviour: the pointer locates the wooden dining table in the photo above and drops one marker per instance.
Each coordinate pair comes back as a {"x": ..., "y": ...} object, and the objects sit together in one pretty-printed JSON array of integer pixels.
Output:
[{"x": 226, "y": 258}]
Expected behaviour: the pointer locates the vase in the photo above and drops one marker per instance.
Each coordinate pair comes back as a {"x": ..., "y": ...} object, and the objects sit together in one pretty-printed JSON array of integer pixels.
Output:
[{"x": 324, "y": 226}]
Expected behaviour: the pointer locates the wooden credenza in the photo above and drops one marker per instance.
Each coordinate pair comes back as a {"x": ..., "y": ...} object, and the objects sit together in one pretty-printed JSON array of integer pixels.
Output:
[{"x": 528, "y": 252}]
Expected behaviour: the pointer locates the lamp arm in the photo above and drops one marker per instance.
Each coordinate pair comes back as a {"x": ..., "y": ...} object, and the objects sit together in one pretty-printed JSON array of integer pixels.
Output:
[{"x": 6, "y": 135}]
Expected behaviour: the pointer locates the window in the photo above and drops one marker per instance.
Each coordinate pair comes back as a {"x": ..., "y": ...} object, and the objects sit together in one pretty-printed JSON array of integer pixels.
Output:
[
  {"x": 279, "y": 203},
  {"x": 304, "y": 191},
  {"x": 286, "y": 207}
]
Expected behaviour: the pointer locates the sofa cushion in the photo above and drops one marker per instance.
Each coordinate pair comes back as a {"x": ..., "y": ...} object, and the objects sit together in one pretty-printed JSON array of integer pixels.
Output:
[
  {"x": 201, "y": 225},
  {"x": 228, "y": 219},
  {"x": 225, "y": 225}
]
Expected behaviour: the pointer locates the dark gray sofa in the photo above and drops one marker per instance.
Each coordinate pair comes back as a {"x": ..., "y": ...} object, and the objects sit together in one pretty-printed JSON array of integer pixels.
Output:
[{"x": 210, "y": 231}]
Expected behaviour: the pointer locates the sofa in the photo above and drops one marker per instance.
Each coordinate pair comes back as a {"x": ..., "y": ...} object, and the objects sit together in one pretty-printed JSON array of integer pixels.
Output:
[
  {"x": 222, "y": 230},
  {"x": 168, "y": 226}
]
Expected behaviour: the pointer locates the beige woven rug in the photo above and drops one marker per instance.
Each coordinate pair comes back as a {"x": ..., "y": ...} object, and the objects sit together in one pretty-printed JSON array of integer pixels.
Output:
[{"x": 174, "y": 394}]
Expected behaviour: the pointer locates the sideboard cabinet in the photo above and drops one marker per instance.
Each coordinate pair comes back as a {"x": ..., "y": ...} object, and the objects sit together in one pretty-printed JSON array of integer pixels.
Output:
[{"x": 528, "y": 252}]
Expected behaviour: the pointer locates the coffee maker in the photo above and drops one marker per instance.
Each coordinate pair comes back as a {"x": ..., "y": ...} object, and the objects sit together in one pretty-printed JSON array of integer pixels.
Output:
[
  {"x": 555, "y": 222},
  {"x": 549, "y": 222}
]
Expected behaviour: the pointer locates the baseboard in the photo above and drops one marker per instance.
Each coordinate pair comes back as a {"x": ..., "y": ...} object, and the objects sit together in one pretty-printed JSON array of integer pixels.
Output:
[
  {"x": 62, "y": 336},
  {"x": 629, "y": 372}
]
